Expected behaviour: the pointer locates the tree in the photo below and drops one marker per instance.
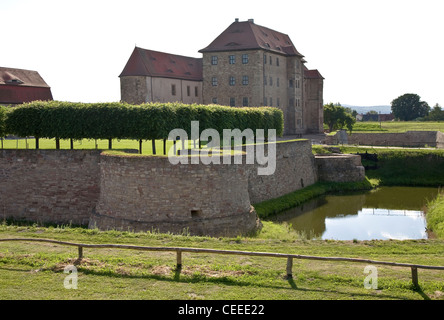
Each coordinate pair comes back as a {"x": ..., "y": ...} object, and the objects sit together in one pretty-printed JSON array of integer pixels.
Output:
[
  {"x": 409, "y": 107},
  {"x": 337, "y": 117},
  {"x": 437, "y": 114}
]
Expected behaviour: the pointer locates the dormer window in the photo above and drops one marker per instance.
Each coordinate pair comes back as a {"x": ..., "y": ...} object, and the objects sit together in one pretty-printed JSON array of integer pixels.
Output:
[{"x": 14, "y": 81}]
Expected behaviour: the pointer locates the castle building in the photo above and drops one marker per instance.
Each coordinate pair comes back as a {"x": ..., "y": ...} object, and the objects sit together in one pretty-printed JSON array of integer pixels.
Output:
[{"x": 246, "y": 65}]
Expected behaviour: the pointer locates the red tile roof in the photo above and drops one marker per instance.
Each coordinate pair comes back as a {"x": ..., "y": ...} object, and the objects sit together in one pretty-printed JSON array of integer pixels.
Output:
[
  {"x": 145, "y": 62},
  {"x": 312, "y": 74},
  {"x": 247, "y": 35},
  {"x": 19, "y": 86}
]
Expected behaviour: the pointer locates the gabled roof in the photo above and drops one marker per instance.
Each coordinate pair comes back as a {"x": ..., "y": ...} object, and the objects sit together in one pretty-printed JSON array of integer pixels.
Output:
[
  {"x": 246, "y": 35},
  {"x": 312, "y": 74},
  {"x": 21, "y": 77},
  {"x": 145, "y": 62},
  {"x": 18, "y": 86}
]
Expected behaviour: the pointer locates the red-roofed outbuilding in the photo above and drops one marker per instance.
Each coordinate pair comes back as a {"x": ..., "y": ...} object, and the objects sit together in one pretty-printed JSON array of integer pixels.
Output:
[{"x": 19, "y": 86}]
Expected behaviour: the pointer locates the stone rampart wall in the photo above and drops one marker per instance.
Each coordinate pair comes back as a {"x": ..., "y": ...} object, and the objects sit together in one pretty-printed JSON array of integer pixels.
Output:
[
  {"x": 294, "y": 170},
  {"x": 49, "y": 186},
  {"x": 148, "y": 193},
  {"x": 397, "y": 139},
  {"x": 140, "y": 193},
  {"x": 339, "y": 168}
]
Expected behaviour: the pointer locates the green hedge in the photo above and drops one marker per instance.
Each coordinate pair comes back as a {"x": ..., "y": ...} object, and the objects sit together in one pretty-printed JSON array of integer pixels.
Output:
[
  {"x": 3, "y": 115},
  {"x": 67, "y": 120}
]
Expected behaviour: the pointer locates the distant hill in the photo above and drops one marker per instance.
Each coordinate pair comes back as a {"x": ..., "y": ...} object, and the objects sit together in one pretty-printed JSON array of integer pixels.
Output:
[{"x": 364, "y": 110}]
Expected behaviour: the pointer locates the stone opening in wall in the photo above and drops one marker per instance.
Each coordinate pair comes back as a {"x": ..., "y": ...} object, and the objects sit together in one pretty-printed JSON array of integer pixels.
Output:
[
  {"x": 302, "y": 182},
  {"x": 196, "y": 213}
]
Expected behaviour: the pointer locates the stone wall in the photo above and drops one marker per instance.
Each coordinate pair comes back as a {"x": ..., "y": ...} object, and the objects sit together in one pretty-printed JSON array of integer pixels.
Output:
[
  {"x": 401, "y": 139},
  {"x": 60, "y": 186},
  {"x": 141, "y": 193},
  {"x": 140, "y": 89},
  {"x": 295, "y": 169},
  {"x": 148, "y": 193},
  {"x": 339, "y": 168}
]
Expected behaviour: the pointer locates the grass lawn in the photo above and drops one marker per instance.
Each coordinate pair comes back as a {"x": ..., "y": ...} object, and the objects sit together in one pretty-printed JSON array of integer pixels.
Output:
[
  {"x": 397, "y": 126},
  {"x": 87, "y": 144},
  {"x": 30, "y": 270}
]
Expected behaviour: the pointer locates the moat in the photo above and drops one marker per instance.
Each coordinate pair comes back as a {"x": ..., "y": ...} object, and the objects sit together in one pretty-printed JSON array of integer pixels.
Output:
[{"x": 381, "y": 214}]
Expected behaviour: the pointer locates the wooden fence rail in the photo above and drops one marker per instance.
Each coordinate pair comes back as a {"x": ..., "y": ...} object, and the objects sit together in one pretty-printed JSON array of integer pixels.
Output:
[{"x": 179, "y": 250}]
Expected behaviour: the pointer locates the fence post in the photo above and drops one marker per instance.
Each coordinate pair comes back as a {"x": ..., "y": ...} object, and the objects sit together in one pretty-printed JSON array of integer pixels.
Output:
[
  {"x": 179, "y": 259},
  {"x": 415, "y": 277},
  {"x": 80, "y": 252},
  {"x": 289, "y": 267}
]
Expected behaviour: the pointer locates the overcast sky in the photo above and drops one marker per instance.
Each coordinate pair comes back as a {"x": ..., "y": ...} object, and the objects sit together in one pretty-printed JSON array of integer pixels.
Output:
[{"x": 370, "y": 52}]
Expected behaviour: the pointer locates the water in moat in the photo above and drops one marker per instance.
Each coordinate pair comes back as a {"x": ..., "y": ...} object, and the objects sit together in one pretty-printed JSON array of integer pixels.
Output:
[{"x": 384, "y": 213}]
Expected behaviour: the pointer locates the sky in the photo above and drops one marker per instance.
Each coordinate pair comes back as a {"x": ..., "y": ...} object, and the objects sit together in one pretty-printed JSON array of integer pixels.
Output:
[{"x": 369, "y": 52}]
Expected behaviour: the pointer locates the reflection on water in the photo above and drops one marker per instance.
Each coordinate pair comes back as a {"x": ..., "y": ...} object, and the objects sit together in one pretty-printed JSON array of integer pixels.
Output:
[{"x": 385, "y": 213}]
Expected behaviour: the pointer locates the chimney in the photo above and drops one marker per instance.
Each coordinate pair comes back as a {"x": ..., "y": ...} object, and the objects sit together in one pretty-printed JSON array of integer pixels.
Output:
[
  {"x": 251, "y": 20},
  {"x": 236, "y": 20}
]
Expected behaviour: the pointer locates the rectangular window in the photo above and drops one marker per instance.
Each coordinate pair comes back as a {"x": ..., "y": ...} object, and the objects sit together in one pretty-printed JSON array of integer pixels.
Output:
[
  {"x": 232, "y": 81},
  {"x": 188, "y": 91},
  {"x": 265, "y": 80},
  {"x": 245, "y": 80},
  {"x": 196, "y": 91},
  {"x": 265, "y": 101},
  {"x": 214, "y": 100},
  {"x": 173, "y": 89},
  {"x": 291, "y": 83},
  {"x": 245, "y": 102},
  {"x": 278, "y": 102},
  {"x": 232, "y": 59},
  {"x": 214, "y": 81},
  {"x": 271, "y": 60},
  {"x": 214, "y": 60},
  {"x": 265, "y": 59},
  {"x": 271, "y": 102},
  {"x": 244, "y": 58},
  {"x": 277, "y": 82},
  {"x": 232, "y": 102},
  {"x": 271, "y": 81},
  {"x": 299, "y": 123},
  {"x": 277, "y": 62}
]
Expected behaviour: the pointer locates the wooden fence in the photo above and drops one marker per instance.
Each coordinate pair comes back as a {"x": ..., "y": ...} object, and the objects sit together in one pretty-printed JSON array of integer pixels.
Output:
[{"x": 179, "y": 250}]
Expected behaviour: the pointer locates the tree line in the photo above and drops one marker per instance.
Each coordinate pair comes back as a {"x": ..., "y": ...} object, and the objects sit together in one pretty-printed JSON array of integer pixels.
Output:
[{"x": 150, "y": 121}]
